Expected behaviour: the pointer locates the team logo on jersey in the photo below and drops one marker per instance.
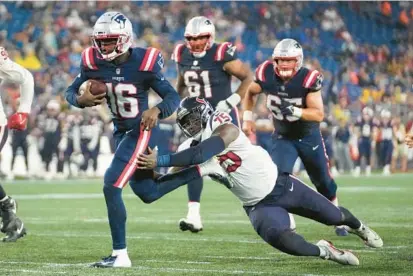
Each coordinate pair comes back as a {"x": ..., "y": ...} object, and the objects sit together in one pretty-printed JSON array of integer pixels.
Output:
[
  {"x": 161, "y": 60},
  {"x": 117, "y": 71},
  {"x": 195, "y": 63}
]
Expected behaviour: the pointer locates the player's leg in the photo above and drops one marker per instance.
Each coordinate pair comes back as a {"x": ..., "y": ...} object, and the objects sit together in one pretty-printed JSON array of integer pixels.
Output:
[
  {"x": 313, "y": 153},
  {"x": 272, "y": 224},
  {"x": 283, "y": 153},
  {"x": 116, "y": 177},
  {"x": 387, "y": 154},
  {"x": 297, "y": 198},
  {"x": 367, "y": 150},
  {"x": 11, "y": 224}
]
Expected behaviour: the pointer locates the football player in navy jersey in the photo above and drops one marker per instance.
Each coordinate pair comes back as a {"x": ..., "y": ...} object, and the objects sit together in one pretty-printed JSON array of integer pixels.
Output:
[
  {"x": 366, "y": 131},
  {"x": 294, "y": 97},
  {"x": 128, "y": 74},
  {"x": 205, "y": 69},
  {"x": 387, "y": 136}
]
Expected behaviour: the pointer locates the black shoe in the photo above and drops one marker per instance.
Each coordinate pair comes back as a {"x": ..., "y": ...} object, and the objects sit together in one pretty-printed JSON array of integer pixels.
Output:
[
  {"x": 8, "y": 210},
  {"x": 17, "y": 233}
]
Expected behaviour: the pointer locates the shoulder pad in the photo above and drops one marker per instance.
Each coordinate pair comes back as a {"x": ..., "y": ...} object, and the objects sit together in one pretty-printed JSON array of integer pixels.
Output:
[
  {"x": 88, "y": 59},
  {"x": 152, "y": 61},
  {"x": 313, "y": 80},
  {"x": 225, "y": 52},
  {"x": 218, "y": 118},
  {"x": 260, "y": 71},
  {"x": 177, "y": 53}
]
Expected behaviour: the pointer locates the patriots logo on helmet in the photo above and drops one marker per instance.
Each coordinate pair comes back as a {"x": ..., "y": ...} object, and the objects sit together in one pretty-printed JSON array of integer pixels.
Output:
[
  {"x": 121, "y": 19},
  {"x": 207, "y": 22}
]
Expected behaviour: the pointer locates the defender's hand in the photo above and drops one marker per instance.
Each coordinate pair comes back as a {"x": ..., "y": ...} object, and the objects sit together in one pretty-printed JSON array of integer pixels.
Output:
[
  {"x": 18, "y": 121},
  {"x": 147, "y": 161},
  {"x": 150, "y": 117},
  {"x": 248, "y": 127},
  {"x": 87, "y": 99}
]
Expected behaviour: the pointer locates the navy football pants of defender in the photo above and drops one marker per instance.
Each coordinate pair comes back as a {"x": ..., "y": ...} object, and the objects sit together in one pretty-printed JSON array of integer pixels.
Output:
[
  {"x": 123, "y": 170},
  {"x": 270, "y": 217},
  {"x": 195, "y": 186},
  {"x": 311, "y": 150}
]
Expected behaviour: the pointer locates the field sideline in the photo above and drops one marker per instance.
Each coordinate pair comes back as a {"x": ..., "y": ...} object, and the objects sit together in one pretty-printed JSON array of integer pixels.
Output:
[{"x": 68, "y": 230}]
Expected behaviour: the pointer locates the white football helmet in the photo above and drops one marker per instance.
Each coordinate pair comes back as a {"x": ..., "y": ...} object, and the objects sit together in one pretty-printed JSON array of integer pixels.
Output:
[
  {"x": 385, "y": 114},
  {"x": 287, "y": 49},
  {"x": 113, "y": 26},
  {"x": 367, "y": 112},
  {"x": 197, "y": 27}
]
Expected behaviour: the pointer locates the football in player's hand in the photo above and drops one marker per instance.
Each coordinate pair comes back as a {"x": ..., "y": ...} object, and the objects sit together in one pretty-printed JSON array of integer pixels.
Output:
[{"x": 96, "y": 87}]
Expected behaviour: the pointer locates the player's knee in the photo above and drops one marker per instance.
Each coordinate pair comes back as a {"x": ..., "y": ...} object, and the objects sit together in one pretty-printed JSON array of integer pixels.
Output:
[{"x": 285, "y": 240}]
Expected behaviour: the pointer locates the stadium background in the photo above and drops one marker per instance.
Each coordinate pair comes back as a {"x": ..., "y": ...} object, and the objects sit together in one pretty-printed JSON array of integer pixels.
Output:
[{"x": 364, "y": 49}]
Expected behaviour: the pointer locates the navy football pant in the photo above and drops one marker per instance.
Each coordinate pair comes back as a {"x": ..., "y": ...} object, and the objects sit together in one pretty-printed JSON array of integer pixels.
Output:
[
  {"x": 195, "y": 186},
  {"x": 386, "y": 151},
  {"x": 312, "y": 152},
  {"x": 364, "y": 146},
  {"x": 123, "y": 170},
  {"x": 271, "y": 221}
]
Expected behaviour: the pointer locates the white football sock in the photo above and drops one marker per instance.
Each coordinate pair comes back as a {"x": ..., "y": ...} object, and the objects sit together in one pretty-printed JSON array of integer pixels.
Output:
[{"x": 119, "y": 252}]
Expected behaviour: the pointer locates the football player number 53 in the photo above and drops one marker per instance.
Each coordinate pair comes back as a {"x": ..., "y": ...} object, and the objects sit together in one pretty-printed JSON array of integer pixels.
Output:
[
  {"x": 198, "y": 83},
  {"x": 273, "y": 103},
  {"x": 122, "y": 102}
]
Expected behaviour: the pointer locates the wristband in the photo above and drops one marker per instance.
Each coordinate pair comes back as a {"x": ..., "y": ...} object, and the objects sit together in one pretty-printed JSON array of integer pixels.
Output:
[{"x": 247, "y": 116}]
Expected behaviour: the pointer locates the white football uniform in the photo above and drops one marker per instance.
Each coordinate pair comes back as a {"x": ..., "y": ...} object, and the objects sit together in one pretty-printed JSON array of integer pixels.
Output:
[
  {"x": 13, "y": 72},
  {"x": 249, "y": 168}
]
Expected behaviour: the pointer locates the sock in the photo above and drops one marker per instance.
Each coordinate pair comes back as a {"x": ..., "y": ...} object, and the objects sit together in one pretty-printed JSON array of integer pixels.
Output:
[
  {"x": 193, "y": 209},
  {"x": 195, "y": 189},
  {"x": 117, "y": 215},
  {"x": 3, "y": 195},
  {"x": 119, "y": 252},
  {"x": 349, "y": 219},
  {"x": 323, "y": 252}
]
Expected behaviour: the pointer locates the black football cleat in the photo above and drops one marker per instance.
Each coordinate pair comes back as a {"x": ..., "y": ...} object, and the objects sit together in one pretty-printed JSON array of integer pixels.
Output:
[{"x": 17, "y": 232}]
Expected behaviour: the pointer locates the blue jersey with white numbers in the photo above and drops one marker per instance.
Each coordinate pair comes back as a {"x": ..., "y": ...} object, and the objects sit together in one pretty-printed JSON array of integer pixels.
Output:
[
  {"x": 366, "y": 127},
  {"x": 205, "y": 76},
  {"x": 295, "y": 91},
  {"x": 127, "y": 84}
]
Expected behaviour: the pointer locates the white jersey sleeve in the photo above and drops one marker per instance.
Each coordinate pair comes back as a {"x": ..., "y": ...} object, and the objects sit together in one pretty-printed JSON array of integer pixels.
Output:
[
  {"x": 249, "y": 168},
  {"x": 13, "y": 72}
]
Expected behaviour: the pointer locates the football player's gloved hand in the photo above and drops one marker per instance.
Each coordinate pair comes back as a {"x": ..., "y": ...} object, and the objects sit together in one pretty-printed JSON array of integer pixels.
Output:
[
  {"x": 18, "y": 121},
  {"x": 288, "y": 109},
  {"x": 229, "y": 103}
]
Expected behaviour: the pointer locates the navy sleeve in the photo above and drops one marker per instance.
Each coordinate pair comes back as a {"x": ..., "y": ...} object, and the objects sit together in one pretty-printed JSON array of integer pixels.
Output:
[
  {"x": 71, "y": 91},
  {"x": 170, "y": 98},
  {"x": 230, "y": 53}
]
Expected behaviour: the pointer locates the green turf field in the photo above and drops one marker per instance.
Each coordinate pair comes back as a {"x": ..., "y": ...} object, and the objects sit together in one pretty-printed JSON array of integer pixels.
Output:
[{"x": 68, "y": 229}]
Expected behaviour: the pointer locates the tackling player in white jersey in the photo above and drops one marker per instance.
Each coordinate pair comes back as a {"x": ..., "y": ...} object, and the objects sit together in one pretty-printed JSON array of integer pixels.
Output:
[
  {"x": 249, "y": 173},
  {"x": 13, "y": 72}
]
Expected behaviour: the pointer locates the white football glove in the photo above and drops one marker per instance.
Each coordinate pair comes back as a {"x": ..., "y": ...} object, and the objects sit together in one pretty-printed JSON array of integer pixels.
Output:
[{"x": 229, "y": 103}]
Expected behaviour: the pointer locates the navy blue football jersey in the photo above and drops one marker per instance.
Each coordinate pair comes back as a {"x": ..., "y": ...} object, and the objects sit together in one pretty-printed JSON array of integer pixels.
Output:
[
  {"x": 205, "y": 76},
  {"x": 295, "y": 91},
  {"x": 366, "y": 127},
  {"x": 127, "y": 83}
]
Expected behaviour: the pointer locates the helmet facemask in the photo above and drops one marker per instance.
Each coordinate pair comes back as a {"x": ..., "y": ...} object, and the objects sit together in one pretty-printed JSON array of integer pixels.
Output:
[
  {"x": 112, "y": 28},
  {"x": 287, "y": 68},
  {"x": 193, "y": 121},
  {"x": 199, "y": 35}
]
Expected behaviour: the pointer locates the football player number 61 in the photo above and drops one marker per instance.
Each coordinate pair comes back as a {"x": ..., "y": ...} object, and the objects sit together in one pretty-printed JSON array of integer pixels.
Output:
[{"x": 198, "y": 83}]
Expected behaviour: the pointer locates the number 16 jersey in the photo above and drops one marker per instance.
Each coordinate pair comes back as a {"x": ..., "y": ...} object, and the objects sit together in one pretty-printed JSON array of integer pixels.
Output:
[
  {"x": 205, "y": 76},
  {"x": 295, "y": 91}
]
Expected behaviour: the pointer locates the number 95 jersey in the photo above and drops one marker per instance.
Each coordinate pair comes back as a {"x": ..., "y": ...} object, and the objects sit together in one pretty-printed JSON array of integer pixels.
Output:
[
  {"x": 251, "y": 180},
  {"x": 205, "y": 76},
  {"x": 295, "y": 91}
]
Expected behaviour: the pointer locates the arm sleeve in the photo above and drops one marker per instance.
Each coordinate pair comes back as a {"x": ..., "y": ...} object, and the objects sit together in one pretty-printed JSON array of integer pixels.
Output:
[
  {"x": 71, "y": 91},
  {"x": 193, "y": 155},
  {"x": 170, "y": 98}
]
